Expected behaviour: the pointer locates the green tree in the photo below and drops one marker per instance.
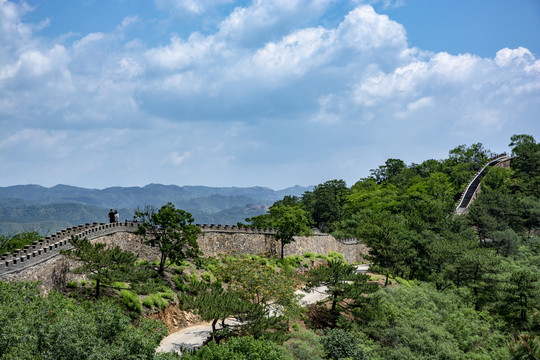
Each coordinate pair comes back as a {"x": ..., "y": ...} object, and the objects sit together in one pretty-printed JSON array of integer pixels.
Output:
[
  {"x": 102, "y": 264},
  {"x": 272, "y": 289},
  {"x": 213, "y": 303},
  {"x": 391, "y": 243},
  {"x": 172, "y": 231},
  {"x": 290, "y": 221},
  {"x": 325, "y": 204},
  {"x": 18, "y": 241},
  {"x": 341, "y": 281}
]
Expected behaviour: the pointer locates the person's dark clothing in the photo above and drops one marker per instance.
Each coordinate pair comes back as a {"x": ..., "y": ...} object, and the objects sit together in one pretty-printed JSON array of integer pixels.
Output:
[{"x": 111, "y": 216}]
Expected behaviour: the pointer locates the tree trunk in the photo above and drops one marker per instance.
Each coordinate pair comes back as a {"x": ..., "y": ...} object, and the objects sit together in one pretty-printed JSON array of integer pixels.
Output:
[
  {"x": 282, "y": 245},
  {"x": 97, "y": 287}
]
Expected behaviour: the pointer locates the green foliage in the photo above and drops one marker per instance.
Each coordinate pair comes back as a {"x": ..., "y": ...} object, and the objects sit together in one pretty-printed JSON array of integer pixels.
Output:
[
  {"x": 206, "y": 276},
  {"x": 241, "y": 348},
  {"x": 18, "y": 241},
  {"x": 422, "y": 323},
  {"x": 53, "y": 327},
  {"x": 339, "y": 344},
  {"x": 342, "y": 282},
  {"x": 325, "y": 204},
  {"x": 305, "y": 345},
  {"x": 172, "y": 231},
  {"x": 155, "y": 300},
  {"x": 102, "y": 264},
  {"x": 131, "y": 300},
  {"x": 271, "y": 289}
]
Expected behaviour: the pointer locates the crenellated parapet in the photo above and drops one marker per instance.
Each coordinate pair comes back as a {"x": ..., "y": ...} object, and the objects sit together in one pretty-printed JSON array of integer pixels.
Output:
[
  {"x": 473, "y": 187},
  {"x": 235, "y": 229},
  {"x": 49, "y": 247}
]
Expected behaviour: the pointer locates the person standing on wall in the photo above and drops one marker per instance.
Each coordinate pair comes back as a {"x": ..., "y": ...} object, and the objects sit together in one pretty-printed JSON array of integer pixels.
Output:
[
  {"x": 111, "y": 216},
  {"x": 116, "y": 216}
]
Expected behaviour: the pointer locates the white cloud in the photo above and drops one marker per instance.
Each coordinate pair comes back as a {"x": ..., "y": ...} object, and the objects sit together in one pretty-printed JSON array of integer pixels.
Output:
[{"x": 248, "y": 92}]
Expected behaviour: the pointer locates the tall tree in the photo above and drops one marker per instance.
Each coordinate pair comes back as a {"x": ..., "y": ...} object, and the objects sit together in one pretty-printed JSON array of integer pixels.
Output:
[
  {"x": 290, "y": 221},
  {"x": 172, "y": 231},
  {"x": 325, "y": 203}
]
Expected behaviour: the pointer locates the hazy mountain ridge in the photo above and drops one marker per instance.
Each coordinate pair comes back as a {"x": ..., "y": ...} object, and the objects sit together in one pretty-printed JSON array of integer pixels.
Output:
[{"x": 34, "y": 207}]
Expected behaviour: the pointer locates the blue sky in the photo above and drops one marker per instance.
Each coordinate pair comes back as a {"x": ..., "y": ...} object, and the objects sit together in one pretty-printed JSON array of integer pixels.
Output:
[{"x": 268, "y": 93}]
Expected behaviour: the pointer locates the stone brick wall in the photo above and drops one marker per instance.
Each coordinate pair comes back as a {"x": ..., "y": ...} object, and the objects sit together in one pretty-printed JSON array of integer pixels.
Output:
[{"x": 41, "y": 259}]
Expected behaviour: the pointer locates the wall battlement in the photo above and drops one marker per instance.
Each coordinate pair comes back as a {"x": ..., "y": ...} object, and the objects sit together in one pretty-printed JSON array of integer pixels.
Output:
[{"x": 216, "y": 239}]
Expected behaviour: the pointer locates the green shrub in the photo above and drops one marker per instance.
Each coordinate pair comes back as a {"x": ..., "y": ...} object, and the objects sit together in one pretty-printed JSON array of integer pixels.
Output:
[
  {"x": 167, "y": 293},
  {"x": 142, "y": 262},
  {"x": 241, "y": 348},
  {"x": 332, "y": 255},
  {"x": 119, "y": 285},
  {"x": 339, "y": 344},
  {"x": 304, "y": 345},
  {"x": 83, "y": 283},
  {"x": 179, "y": 269},
  {"x": 148, "y": 301},
  {"x": 131, "y": 300},
  {"x": 206, "y": 276},
  {"x": 155, "y": 300},
  {"x": 71, "y": 284}
]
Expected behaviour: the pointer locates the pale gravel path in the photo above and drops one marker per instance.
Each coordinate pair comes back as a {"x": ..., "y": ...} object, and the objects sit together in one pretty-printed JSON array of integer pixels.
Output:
[{"x": 192, "y": 337}]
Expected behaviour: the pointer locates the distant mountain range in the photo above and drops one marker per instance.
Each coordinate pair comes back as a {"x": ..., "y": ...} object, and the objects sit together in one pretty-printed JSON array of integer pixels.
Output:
[{"x": 47, "y": 210}]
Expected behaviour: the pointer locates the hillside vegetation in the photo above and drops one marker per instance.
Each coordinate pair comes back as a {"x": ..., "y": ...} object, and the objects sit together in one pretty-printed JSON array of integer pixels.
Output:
[{"x": 440, "y": 287}]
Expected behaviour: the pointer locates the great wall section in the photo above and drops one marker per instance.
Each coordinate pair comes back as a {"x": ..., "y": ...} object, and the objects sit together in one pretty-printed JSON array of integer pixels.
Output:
[
  {"x": 473, "y": 187},
  {"x": 38, "y": 260}
]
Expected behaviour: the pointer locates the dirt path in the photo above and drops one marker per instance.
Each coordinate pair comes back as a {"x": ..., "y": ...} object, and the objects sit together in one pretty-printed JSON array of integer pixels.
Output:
[{"x": 193, "y": 337}]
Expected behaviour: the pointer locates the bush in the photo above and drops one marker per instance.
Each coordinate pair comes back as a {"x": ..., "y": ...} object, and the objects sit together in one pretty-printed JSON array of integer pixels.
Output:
[
  {"x": 131, "y": 300},
  {"x": 332, "y": 255},
  {"x": 240, "y": 348},
  {"x": 71, "y": 284},
  {"x": 206, "y": 276},
  {"x": 166, "y": 293},
  {"x": 155, "y": 300},
  {"x": 148, "y": 301},
  {"x": 339, "y": 344},
  {"x": 305, "y": 345},
  {"x": 119, "y": 285}
]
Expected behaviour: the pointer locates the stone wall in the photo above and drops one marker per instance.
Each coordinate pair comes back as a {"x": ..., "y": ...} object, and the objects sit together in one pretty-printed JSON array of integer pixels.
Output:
[{"x": 40, "y": 260}]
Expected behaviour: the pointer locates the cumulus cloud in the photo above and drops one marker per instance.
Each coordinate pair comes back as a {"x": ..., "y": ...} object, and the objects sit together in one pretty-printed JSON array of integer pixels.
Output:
[{"x": 248, "y": 88}]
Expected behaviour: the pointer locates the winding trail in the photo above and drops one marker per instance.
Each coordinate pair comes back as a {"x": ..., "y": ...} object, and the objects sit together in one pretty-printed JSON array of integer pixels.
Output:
[{"x": 193, "y": 337}]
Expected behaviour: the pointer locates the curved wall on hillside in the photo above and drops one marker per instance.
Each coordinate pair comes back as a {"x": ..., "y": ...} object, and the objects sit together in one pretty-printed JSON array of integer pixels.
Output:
[{"x": 37, "y": 261}]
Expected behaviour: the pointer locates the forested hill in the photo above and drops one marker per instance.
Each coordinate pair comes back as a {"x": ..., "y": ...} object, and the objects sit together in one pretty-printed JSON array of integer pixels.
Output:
[{"x": 34, "y": 207}]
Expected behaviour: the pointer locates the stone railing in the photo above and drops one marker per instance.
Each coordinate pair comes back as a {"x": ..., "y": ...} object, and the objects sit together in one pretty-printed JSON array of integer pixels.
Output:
[{"x": 471, "y": 188}]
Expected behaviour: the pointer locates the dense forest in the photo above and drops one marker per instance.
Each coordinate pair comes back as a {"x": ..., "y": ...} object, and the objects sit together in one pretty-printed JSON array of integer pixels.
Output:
[{"x": 441, "y": 286}]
